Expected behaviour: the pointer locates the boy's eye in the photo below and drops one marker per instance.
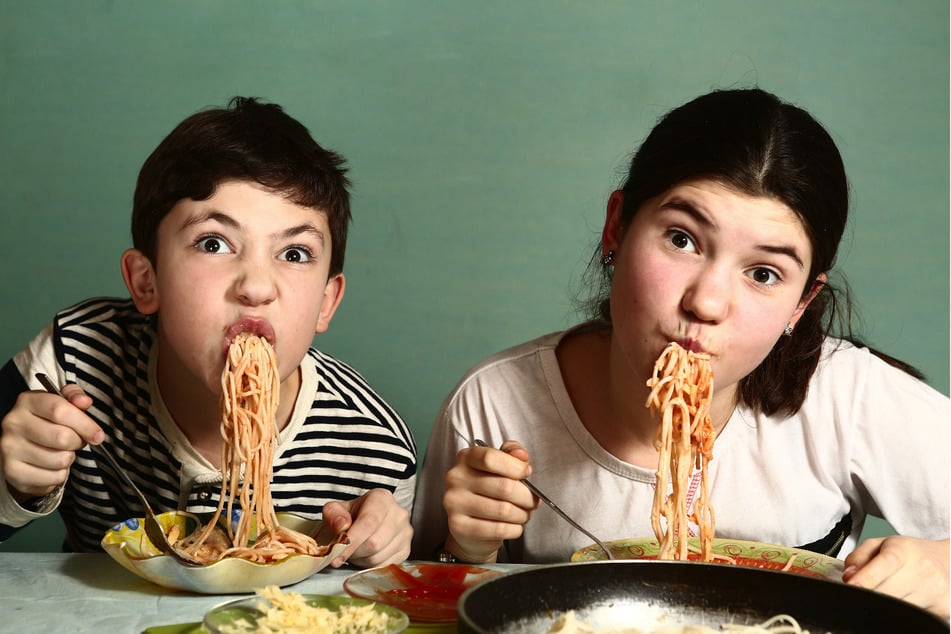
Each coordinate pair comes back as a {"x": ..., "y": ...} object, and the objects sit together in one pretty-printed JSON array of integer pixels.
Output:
[
  {"x": 681, "y": 240},
  {"x": 295, "y": 254},
  {"x": 212, "y": 244},
  {"x": 767, "y": 277}
]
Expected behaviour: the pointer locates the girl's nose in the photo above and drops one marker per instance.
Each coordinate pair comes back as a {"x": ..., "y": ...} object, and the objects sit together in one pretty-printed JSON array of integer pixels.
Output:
[{"x": 708, "y": 296}]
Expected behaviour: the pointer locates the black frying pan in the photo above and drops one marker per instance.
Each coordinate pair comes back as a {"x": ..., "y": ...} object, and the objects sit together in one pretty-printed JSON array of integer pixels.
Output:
[{"x": 648, "y": 594}]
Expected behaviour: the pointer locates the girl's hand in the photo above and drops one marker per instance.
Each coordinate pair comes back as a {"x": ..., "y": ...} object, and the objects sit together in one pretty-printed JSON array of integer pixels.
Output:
[
  {"x": 41, "y": 435},
  {"x": 378, "y": 527},
  {"x": 912, "y": 569},
  {"x": 485, "y": 501}
]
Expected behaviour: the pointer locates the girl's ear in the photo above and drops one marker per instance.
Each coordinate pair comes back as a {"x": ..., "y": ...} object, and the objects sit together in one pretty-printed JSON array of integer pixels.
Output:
[
  {"x": 611, "y": 234},
  {"x": 333, "y": 293},
  {"x": 139, "y": 276},
  {"x": 817, "y": 285}
]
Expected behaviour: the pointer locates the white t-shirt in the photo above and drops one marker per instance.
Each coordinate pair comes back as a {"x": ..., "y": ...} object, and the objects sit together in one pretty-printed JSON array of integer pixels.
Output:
[{"x": 869, "y": 439}]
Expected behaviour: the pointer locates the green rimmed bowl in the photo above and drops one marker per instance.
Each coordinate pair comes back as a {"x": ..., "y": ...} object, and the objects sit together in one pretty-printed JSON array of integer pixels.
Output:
[{"x": 744, "y": 553}]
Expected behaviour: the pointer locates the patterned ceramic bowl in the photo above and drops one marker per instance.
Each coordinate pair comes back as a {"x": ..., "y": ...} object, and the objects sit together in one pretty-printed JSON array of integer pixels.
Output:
[{"x": 128, "y": 545}]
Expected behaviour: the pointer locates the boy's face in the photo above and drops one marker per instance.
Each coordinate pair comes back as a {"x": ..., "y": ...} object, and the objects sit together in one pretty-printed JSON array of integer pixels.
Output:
[{"x": 246, "y": 259}]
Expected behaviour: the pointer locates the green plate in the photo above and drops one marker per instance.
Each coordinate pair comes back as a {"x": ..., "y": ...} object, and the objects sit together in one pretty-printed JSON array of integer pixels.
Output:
[{"x": 245, "y": 613}]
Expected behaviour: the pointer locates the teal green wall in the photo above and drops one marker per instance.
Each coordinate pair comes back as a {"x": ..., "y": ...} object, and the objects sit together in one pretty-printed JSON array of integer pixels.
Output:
[{"x": 484, "y": 139}]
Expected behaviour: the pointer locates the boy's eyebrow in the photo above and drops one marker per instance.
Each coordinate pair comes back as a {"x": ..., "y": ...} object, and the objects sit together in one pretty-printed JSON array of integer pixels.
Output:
[
  {"x": 292, "y": 232},
  {"x": 211, "y": 214},
  {"x": 681, "y": 204},
  {"x": 225, "y": 219}
]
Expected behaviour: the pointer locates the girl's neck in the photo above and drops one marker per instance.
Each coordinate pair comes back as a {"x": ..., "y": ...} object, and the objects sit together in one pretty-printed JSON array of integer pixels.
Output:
[{"x": 610, "y": 400}]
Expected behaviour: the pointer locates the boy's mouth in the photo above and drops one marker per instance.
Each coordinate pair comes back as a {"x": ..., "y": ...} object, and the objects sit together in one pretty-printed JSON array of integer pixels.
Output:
[{"x": 250, "y": 325}]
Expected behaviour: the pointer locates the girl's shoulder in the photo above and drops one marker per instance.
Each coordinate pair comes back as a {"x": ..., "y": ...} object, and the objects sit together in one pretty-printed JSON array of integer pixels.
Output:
[{"x": 527, "y": 359}]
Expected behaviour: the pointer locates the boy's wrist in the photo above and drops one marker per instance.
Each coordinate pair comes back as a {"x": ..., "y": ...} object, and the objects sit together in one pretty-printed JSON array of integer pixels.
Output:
[{"x": 37, "y": 503}]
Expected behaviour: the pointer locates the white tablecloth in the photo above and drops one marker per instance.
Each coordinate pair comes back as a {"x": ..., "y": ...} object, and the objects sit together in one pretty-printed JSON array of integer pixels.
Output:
[{"x": 54, "y": 593}]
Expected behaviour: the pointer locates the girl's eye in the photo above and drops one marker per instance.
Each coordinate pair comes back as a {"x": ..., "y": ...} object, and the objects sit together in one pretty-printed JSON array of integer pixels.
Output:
[
  {"x": 766, "y": 277},
  {"x": 212, "y": 244},
  {"x": 681, "y": 240},
  {"x": 295, "y": 254}
]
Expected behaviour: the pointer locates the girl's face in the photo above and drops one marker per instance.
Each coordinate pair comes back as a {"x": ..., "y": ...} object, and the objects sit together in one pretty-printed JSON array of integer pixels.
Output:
[
  {"x": 715, "y": 270},
  {"x": 246, "y": 259}
]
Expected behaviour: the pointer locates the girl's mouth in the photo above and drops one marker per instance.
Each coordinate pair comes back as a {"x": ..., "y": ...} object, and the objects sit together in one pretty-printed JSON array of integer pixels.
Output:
[{"x": 691, "y": 345}]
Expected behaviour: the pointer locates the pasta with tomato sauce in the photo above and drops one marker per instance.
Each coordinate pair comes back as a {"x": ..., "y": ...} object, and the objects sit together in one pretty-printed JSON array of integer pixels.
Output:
[
  {"x": 681, "y": 389},
  {"x": 250, "y": 385}
]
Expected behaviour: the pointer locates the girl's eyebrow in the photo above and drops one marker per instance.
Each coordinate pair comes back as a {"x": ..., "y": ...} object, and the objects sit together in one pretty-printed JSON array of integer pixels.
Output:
[
  {"x": 228, "y": 221},
  {"x": 687, "y": 207}
]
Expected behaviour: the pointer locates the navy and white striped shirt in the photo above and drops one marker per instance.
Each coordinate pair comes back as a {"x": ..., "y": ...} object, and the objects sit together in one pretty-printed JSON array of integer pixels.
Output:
[{"x": 342, "y": 439}]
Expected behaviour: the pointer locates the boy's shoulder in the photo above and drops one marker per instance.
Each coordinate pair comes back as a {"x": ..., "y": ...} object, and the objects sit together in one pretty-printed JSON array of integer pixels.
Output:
[
  {"x": 334, "y": 380},
  {"x": 342, "y": 394},
  {"x": 101, "y": 310}
]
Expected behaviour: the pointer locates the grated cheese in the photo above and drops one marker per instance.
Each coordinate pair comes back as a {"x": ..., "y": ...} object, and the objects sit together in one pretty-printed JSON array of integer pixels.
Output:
[{"x": 289, "y": 613}]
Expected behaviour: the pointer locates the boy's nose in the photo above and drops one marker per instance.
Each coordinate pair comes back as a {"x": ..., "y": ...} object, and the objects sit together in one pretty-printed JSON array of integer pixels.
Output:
[{"x": 255, "y": 286}]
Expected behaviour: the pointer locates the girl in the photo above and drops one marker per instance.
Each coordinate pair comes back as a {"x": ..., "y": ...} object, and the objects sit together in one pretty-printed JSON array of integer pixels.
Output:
[{"x": 721, "y": 239}]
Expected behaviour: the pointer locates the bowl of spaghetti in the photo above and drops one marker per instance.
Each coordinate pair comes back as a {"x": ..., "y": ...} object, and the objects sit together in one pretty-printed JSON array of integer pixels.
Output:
[
  {"x": 726, "y": 551},
  {"x": 245, "y": 543},
  {"x": 225, "y": 573}
]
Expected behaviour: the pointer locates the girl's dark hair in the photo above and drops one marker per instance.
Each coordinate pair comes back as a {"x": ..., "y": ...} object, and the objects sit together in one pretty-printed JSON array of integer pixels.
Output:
[
  {"x": 251, "y": 141},
  {"x": 754, "y": 143}
]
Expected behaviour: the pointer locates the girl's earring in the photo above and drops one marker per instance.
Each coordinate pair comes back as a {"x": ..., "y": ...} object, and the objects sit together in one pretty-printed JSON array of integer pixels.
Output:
[
  {"x": 788, "y": 330},
  {"x": 608, "y": 258}
]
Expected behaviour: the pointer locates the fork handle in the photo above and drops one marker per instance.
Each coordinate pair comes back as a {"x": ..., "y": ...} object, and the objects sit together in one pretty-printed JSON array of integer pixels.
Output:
[{"x": 547, "y": 500}]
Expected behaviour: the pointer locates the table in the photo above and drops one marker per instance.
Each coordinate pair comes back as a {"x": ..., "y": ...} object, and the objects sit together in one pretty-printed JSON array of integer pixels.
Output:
[{"x": 57, "y": 592}]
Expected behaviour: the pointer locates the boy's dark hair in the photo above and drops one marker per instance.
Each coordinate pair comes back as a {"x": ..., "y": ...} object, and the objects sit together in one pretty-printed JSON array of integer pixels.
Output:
[
  {"x": 248, "y": 141},
  {"x": 751, "y": 141}
]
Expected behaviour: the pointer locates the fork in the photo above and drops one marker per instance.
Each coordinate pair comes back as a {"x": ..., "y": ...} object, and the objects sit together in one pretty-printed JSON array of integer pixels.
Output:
[
  {"x": 153, "y": 529},
  {"x": 544, "y": 498}
]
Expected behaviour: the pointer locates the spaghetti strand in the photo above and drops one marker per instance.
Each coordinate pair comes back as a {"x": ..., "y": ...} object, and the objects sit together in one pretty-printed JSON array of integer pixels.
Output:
[
  {"x": 681, "y": 389},
  {"x": 250, "y": 386}
]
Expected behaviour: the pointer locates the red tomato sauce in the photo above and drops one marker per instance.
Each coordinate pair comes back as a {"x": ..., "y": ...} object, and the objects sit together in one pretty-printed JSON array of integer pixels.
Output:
[
  {"x": 752, "y": 562},
  {"x": 434, "y": 584}
]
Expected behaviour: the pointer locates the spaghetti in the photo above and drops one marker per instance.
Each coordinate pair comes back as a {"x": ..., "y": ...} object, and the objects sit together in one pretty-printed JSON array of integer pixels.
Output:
[
  {"x": 681, "y": 389},
  {"x": 250, "y": 385}
]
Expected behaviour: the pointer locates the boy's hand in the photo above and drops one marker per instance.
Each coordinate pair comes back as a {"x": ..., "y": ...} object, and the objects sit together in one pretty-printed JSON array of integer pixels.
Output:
[
  {"x": 486, "y": 501},
  {"x": 378, "y": 527},
  {"x": 41, "y": 435},
  {"x": 912, "y": 569}
]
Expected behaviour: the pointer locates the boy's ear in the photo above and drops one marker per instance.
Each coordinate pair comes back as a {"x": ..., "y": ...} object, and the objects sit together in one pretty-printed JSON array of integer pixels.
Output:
[
  {"x": 333, "y": 293},
  {"x": 139, "y": 276},
  {"x": 611, "y": 234}
]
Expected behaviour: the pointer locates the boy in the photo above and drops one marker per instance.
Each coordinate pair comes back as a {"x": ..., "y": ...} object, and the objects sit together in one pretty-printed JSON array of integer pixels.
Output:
[{"x": 239, "y": 224}]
